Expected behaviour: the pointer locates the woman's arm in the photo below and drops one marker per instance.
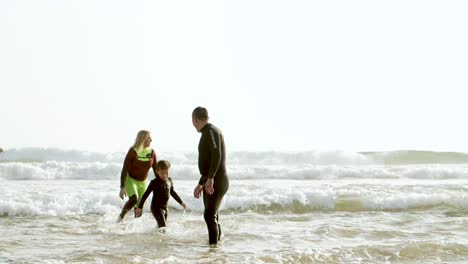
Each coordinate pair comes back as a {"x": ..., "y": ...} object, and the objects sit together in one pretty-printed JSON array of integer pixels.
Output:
[{"x": 126, "y": 166}]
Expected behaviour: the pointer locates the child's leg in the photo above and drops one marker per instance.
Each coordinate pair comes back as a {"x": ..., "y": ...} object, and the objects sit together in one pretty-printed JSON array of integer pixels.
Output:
[{"x": 160, "y": 215}]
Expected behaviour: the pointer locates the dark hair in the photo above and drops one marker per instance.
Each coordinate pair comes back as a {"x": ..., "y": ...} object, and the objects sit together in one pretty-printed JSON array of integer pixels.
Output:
[
  {"x": 200, "y": 113},
  {"x": 163, "y": 164}
]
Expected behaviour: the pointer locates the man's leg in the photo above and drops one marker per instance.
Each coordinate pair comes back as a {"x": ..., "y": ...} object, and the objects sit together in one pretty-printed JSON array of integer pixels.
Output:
[
  {"x": 219, "y": 226},
  {"x": 212, "y": 203}
]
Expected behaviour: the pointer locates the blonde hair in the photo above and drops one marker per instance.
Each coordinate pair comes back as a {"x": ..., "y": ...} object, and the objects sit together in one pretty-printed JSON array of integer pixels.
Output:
[{"x": 140, "y": 138}]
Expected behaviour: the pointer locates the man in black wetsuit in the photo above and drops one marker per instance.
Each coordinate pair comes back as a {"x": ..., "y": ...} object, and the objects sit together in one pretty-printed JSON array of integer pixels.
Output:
[{"x": 214, "y": 181}]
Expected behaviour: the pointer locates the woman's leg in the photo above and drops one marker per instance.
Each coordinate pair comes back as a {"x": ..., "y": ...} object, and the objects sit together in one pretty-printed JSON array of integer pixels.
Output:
[
  {"x": 131, "y": 188},
  {"x": 128, "y": 206}
]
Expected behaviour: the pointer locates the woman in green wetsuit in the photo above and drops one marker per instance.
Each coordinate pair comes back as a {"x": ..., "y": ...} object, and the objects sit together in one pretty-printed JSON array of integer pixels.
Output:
[{"x": 140, "y": 158}]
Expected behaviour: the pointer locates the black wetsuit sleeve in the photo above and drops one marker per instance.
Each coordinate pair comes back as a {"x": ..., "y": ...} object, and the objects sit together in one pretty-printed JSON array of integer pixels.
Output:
[
  {"x": 202, "y": 149},
  {"x": 126, "y": 165},
  {"x": 146, "y": 194},
  {"x": 209, "y": 153},
  {"x": 174, "y": 194},
  {"x": 214, "y": 147},
  {"x": 202, "y": 180}
]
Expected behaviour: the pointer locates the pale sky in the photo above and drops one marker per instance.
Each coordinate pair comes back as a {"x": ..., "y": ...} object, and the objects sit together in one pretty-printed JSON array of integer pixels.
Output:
[{"x": 274, "y": 75}]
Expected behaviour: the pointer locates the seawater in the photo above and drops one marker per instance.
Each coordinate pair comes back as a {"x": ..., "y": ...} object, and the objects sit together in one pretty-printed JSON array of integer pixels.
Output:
[{"x": 65, "y": 211}]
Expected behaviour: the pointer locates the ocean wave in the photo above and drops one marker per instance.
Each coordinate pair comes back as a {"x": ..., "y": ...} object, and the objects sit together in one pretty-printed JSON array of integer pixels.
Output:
[
  {"x": 35, "y": 155},
  {"x": 269, "y": 201},
  {"x": 402, "y": 157},
  {"x": 59, "y": 170},
  {"x": 409, "y": 252},
  {"x": 405, "y": 157},
  {"x": 52, "y": 170},
  {"x": 57, "y": 201},
  {"x": 31, "y": 155}
]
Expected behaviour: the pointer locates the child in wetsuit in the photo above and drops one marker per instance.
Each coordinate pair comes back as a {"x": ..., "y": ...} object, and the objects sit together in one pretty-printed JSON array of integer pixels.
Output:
[{"x": 161, "y": 187}]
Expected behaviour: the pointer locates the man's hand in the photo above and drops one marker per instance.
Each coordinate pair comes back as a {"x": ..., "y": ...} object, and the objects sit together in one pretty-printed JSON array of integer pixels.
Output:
[
  {"x": 198, "y": 190},
  {"x": 183, "y": 205},
  {"x": 209, "y": 186},
  {"x": 122, "y": 193}
]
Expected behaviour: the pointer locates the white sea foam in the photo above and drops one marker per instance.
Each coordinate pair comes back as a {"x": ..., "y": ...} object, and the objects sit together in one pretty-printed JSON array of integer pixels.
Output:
[
  {"x": 68, "y": 201},
  {"x": 87, "y": 197},
  {"x": 58, "y": 170},
  {"x": 67, "y": 186},
  {"x": 51, "y": 170},
  {"x": 264, "y": 158},
  {"x": 48, "y": 164}
]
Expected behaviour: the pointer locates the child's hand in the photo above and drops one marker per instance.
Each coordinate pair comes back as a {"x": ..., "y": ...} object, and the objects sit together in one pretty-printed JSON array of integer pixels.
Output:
[
  {"x": 183, "y": 205},
  {"x": 138, "y": 212}
]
